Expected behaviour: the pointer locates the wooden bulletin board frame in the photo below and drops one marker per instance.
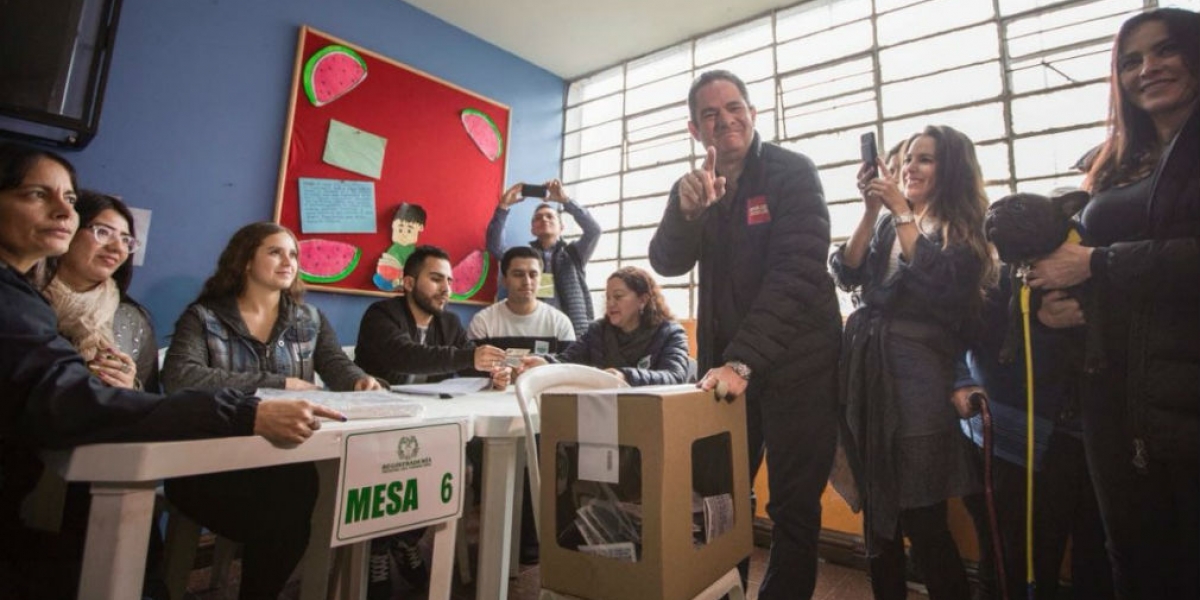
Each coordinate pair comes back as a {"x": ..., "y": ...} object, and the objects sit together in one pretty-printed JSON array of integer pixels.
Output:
[{"x": 429, "y": 159}]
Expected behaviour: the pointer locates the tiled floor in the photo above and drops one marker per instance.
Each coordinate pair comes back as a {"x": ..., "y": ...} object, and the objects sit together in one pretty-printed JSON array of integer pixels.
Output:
[{"x": 834, "y": 582}]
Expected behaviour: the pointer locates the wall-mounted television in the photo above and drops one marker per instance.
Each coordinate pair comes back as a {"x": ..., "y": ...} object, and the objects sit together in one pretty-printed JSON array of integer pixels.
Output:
[{"x": 54, "y": 57}]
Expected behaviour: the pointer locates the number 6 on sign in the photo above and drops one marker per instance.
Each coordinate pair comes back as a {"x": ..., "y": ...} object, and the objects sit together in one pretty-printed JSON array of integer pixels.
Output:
[{"x": 391, "y": 480}]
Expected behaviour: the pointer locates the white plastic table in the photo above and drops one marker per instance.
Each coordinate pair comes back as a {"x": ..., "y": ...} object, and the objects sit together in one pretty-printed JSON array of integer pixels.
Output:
[
  {"x": 497, "y": 422},
  {"x": 124, "y": 478}
]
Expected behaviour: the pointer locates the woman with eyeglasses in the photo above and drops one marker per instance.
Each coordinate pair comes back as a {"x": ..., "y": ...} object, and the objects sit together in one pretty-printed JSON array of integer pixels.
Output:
[{"x": 89, "y": 293}]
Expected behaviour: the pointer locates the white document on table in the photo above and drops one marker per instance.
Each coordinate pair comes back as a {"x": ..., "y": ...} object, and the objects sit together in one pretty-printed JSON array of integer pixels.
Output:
[
  {"x": 355, "y": 405},
  {"x": 447, "y": 388}
]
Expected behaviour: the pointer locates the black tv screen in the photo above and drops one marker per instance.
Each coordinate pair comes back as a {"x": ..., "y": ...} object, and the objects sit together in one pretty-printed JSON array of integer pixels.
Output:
[{"x": 54, "y": 57}]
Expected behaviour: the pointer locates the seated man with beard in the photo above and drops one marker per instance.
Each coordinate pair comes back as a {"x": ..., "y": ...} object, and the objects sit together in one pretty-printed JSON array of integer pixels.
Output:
[{"x": 413, "y": 339}]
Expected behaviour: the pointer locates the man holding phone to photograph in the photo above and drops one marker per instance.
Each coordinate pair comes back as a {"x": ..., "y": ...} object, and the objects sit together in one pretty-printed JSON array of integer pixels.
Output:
[
  {"x": 753, "y": 217},
  {"x": 563, "y": 283}
]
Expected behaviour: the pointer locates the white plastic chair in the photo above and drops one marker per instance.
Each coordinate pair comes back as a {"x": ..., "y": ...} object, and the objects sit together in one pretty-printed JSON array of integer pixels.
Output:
[
  {"x": 182, "y": 539},
  {"x": 568, "y": 377}
]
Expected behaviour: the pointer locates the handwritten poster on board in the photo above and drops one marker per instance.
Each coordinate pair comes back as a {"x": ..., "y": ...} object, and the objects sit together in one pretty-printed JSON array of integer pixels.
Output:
[
  {"x": 336, "y": 206},
  {"x": 442, "y": 149}
]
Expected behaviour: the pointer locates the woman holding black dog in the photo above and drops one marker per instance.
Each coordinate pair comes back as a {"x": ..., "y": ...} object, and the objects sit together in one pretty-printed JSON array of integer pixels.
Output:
[
  {"x": 1141, "y": 415},
  {"x": 917, "y": 273}
]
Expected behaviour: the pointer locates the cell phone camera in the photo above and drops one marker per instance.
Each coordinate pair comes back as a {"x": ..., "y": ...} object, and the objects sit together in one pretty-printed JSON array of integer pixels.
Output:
[{"x": 534, "y": 191}]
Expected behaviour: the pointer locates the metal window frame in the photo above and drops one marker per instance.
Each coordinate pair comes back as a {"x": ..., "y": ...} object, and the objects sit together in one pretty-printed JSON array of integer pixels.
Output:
[{"x": 778, "y": 110}]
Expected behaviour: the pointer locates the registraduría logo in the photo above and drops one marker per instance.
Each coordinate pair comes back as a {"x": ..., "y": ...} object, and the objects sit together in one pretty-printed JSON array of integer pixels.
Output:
[{"x": 408, "y": 448}]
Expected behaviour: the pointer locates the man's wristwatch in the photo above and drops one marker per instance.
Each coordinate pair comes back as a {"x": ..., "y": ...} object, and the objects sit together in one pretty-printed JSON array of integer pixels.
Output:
[
  {"x": 742, "y": 369},
  {"x": 905, "y": 217}
]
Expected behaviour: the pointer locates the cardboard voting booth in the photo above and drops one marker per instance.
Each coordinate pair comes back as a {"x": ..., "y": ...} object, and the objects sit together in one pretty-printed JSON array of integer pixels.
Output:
[{"x": 645, "y": 492}]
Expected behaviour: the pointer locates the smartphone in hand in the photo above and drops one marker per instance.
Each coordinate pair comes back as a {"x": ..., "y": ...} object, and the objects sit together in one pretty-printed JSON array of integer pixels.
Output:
[
  {"x": 870, "y": 152},
  {"x": 533, "y": 191}
]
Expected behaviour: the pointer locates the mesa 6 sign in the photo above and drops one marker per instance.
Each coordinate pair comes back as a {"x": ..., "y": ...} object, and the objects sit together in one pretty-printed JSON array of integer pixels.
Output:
[{"x": 397, "y": 479}]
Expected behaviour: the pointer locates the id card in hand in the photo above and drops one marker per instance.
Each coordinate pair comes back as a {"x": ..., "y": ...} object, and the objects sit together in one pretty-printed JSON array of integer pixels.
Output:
[{"x": 512, "y": 356}]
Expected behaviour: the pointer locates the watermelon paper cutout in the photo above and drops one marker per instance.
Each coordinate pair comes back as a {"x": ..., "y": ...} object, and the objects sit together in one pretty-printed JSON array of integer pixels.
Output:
[
  {"x": 327, "y": 261},
  {"x": 469, "y": 275},
  {"x": 484, "y": 133},
  {"x": 331, "y": 73}
]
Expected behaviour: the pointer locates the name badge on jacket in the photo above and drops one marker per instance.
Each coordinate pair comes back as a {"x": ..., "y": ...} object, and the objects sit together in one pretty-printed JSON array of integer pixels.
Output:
[
  {"x": 757, "y": 211},
  {"x": 545, "y": 288}
]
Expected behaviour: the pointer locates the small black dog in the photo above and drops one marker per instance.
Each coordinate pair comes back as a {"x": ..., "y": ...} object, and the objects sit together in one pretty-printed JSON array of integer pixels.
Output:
[{"x": 1025, "y": 228}]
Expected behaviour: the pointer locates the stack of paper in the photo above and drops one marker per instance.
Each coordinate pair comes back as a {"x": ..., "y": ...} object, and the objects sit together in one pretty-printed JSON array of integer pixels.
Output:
[
  {"x": 448, "y": 388},
  {"x": 610, "y": 527},
  {"x": 712, "y": 517},
  {"x": 355, "y": 405}
]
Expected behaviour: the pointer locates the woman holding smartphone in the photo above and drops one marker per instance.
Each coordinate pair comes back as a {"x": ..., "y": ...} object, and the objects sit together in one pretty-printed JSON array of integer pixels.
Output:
[{"x": 917, "y": 264}]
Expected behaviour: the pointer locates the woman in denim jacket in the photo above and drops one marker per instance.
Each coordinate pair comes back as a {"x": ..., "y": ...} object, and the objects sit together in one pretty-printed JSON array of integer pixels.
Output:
[{"x": 250, "y": 329}]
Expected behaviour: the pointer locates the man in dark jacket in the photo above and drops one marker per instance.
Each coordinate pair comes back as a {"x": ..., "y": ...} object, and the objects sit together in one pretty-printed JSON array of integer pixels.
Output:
[
  {"x": 564, "y": 283},
  {"x": 754, "y": 218},
  {"x": 414, "y": 337}
]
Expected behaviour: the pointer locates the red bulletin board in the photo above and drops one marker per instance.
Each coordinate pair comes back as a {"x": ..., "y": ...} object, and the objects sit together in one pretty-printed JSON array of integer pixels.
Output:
[{"x": 429, "y": 159}]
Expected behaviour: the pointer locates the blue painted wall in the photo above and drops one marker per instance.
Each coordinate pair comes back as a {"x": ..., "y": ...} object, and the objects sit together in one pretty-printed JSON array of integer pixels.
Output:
[{"x": 196, "y": 106}]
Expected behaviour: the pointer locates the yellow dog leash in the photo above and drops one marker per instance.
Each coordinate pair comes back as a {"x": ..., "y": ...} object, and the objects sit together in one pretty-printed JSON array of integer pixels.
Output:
[{"x": 1030, "y": 582}]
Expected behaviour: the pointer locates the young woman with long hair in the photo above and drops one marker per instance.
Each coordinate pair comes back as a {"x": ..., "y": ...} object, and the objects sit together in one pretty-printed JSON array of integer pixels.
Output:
[
  {"x": 251, "y": 329},
  {"x": 917, "y": 272}
]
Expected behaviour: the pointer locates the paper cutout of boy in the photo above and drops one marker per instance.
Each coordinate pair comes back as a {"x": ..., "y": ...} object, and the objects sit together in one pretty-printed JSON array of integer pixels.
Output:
[{"x": 407, "y": 224}]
